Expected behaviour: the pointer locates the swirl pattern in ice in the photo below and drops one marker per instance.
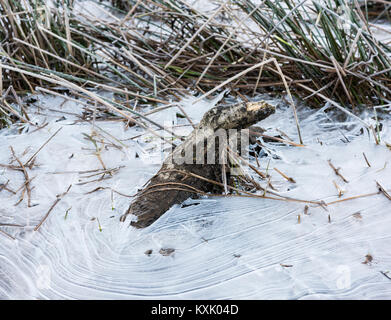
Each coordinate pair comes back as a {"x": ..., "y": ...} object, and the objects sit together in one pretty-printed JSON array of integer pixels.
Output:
[{"x": 224, "y": 247}]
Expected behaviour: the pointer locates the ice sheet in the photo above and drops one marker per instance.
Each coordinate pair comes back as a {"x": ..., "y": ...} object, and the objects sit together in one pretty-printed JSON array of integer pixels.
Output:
[{"x": 225, "y": 248}]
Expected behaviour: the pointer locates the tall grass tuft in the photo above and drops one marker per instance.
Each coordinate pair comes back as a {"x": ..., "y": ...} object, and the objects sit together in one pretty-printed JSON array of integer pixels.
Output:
[
  {"x": 25, "y": 44},
  {"x": 157, "y": 50},
  {"x": 330, "y": 45}
]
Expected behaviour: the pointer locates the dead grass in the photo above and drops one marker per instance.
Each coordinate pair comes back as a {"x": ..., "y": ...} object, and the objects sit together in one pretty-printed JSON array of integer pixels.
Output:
[{"x": 155, "y": 51}]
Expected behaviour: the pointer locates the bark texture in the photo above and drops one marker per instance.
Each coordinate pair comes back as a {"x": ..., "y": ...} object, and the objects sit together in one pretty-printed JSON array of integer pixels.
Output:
[{"x": 174, "y": 182}]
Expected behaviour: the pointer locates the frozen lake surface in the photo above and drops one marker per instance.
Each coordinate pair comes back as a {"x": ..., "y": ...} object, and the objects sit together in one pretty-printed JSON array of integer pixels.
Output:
[{"x": 225, "y": 248}]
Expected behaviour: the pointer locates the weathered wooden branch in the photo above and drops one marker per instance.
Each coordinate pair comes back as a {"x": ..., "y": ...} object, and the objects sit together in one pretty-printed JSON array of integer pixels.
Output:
[{"x": 171, "y": 185}]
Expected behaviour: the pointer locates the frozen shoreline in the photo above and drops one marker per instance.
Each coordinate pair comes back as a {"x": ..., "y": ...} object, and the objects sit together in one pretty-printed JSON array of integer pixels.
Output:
[{"x": 255, "y": 248}]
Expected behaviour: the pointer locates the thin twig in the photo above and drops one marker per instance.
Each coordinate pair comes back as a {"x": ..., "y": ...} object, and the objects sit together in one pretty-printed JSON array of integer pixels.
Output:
[
  {"x": 336, "y": 170},
  {"x": 383, "y": 190},
  {"x": 59, "y": 197},
  {"x": 41, "y": 147},
  {"x": 26, "y": 176},
  {"x": 366, "y": 160},
  {"x": 290, "y": 179},
  {"x": 7, "y": 234}
]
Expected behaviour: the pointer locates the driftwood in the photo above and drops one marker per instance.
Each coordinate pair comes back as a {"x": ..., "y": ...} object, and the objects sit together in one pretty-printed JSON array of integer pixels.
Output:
[{"x": 177, "y": 179}]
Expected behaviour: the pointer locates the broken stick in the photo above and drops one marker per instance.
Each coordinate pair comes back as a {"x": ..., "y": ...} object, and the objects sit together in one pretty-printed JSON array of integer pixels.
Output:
[{"x": 171, "y": 185}]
